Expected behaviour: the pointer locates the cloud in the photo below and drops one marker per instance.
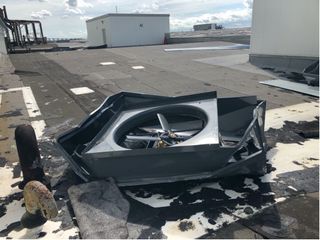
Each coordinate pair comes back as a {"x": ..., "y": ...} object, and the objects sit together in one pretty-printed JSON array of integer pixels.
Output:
[
  {"x": 71, "y": 3},
  {"x": 84, "y": 4},
  {"x": 232, "y": 16},
  {"x": 77, "y": 11},
  {"x": 148, "y": 8},
  {"x": 248, "y": 4},
  {"x": 39, "y": 0},
  {"x": 41, "y": 14},
  {"x": 76, "y": 6}
]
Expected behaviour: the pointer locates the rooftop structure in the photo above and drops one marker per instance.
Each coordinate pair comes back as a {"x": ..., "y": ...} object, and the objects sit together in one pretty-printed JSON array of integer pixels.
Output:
[
  {"x": 124, "y": 29},
  {"x": 21, "y": 33},
  {"x": 285, "y": 34}
]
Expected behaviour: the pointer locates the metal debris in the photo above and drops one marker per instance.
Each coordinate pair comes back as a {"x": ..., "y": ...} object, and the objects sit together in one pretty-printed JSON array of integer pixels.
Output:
[
  {"x": 173, "y": 138},
  {"x": 293, "y": 86}
]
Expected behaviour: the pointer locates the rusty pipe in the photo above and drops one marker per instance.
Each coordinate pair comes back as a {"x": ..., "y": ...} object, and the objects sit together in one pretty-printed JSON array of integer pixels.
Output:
[
  {"x": 39, "y": 203},
  {"x": 29, "y": 156},
  {"x": 38, "y": 197}
]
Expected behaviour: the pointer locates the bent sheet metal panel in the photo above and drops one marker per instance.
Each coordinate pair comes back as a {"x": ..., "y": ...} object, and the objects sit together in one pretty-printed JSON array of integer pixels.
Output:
[
  {"x": 293, "y": 86},
  {"x": 213, "y": 158}
]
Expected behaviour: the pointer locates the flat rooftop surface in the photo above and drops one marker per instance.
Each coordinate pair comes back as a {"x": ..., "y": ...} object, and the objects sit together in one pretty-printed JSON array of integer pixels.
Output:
[
  {"x": 54, "y": 91},
  {"x": 212, "y": 33}
]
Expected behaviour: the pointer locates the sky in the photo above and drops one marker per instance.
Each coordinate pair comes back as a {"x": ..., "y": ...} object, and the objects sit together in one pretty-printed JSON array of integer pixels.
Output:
[{"x": 66, "y": 18}]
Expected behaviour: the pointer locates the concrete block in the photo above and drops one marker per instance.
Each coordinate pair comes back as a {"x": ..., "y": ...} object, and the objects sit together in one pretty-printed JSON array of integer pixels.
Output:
[{"x": 100, "y": 209}]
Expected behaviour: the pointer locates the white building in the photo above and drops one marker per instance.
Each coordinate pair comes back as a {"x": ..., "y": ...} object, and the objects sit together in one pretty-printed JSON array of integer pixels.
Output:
[
  {"x": 3, "y": 48},
  {"x": 119, "y": 29},
  {"x": 285, "y": 33}
]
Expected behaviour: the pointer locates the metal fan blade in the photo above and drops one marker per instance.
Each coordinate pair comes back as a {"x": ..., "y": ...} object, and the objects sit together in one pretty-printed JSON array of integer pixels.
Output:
[
  {"x": 188, "y": 126},
  {"x": 187, "y": 134},
  {"x": 151, "y": 129},
  {"x": 163, "y": 122},
  {"x": 143, "y": 138}
]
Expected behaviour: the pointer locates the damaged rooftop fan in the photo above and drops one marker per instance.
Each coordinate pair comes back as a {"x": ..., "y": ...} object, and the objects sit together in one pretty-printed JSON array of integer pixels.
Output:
[
  {"x": 182, "y": 127},
  {"x": 143, "y": 139}
]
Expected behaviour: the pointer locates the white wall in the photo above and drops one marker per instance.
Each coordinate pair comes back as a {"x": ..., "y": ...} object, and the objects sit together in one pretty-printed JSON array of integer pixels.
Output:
[
  {"x": 128, "y": 30},
  {"x": 94, "y": 32},
  {"x": 285, "y": 27}
]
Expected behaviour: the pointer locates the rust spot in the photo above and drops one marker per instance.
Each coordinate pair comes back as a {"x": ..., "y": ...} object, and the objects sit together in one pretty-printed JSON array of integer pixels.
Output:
[{"x": 38, "y": 197}]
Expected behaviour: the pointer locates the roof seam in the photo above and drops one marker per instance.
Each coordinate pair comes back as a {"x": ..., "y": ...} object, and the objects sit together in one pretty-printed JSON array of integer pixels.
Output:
[{"x": 128, "y": 15}]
